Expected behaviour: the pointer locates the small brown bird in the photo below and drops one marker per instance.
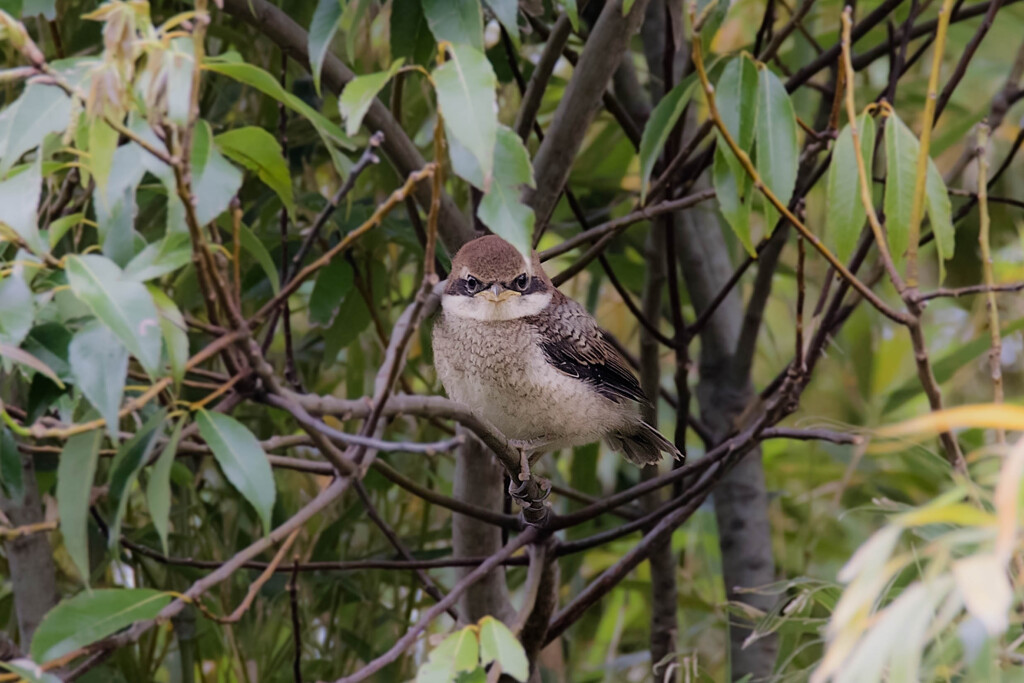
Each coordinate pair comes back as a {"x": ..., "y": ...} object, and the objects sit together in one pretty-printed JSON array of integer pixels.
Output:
[{"x": 533, "y": 362}]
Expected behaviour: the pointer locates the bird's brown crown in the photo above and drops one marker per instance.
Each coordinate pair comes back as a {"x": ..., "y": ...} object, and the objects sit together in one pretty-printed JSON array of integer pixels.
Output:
[{"x": 490, "y": 259}]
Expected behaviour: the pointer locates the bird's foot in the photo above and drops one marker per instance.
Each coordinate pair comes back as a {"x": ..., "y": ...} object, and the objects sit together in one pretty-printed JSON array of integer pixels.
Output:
[{"x": 520, "y": 491}]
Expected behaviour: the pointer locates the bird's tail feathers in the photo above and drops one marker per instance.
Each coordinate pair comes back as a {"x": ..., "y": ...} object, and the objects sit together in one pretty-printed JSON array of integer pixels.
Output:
[{"x": 643, "y": 445}]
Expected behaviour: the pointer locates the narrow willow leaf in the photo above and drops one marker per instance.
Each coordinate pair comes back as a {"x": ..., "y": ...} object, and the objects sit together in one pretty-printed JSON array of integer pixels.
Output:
[
  {"x": 713, "y": 20},
  {"x": 499, "y": 644},
  {"x": 940, "y": 212},
  {"x": 160, "y": 258},
  {"x": 75, "y": 472},
  {"x": 507, "y": 13},
  {"x": 60, "y": 227},
  {"x": 572, "y": 10},
  {"x": 900, "y": 172},
  {"x": 17, "y": 308},
  {"x": 115, "y": 204},
  {"x": 88, "y": 617},
  {"x": 259, "y": 151},
  {"x": 158, "y": 490},
  {"x": 11, "y": 482},
  {"x": 27, "y": 359},
  {"x": 19, "y": 199},
  {"x": 321, "y": 33},
  {"x": 778, "y": 153},
  {"x": 846, "y": 213},
  {"x": 131, "y": 457},
  {"x": 737, "y": 99},
  {"x": 465, "y": 93},
  {"x": 174, "y": 331},
  {"x": 459, "y": 22},
  {"x": 359, "y": 94},
  {"x": 214, "y": 188},
  {"x": 252, "y": 245},
  {"x": 102, "y": 143},
  {"x": 411, "y": 38},
  {"x": 659, "y": 126},
  {"x": 124, "y": 306},
  {"x": 99, "y": 365},
  {"x": 501, "y": 209},
  {"x": 42, "y": 109},
  {"x": 734, "y": 208},
  {"x": 332, "y": 286},
  {"x": 240, "y": 457}
]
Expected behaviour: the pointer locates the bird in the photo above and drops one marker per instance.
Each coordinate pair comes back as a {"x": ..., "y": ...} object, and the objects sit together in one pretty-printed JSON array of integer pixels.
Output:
[{"x": 531, "y": 361}]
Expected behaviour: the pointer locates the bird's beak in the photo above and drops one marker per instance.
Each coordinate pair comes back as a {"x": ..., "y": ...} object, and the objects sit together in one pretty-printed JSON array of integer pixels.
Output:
[{"x": 496, "y": 294}]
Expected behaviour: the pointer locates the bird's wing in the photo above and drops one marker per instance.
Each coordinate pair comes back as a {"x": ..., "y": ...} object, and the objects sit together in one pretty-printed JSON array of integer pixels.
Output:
[{"x": 575, "y": 345}]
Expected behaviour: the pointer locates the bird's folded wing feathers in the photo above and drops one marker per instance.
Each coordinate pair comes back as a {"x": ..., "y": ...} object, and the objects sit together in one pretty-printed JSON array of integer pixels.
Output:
[{"x": 575, "y": 345}]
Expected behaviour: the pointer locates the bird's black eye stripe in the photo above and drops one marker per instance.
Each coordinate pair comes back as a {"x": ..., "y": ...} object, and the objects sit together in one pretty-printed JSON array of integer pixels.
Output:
[
  {"x": 467, "y": 286},
  {"x": 532, "y": 286}
]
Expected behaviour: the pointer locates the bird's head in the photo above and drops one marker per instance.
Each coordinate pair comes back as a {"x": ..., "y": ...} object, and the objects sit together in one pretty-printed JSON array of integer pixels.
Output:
[{"x": 490, "y": 281}]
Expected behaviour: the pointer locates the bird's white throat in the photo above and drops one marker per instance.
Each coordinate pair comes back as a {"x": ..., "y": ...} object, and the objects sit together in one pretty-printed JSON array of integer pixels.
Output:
[{"x": 477, "y": 308}]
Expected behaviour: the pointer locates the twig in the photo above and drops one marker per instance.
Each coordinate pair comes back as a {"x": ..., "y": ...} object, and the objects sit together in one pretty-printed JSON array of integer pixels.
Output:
[
  {"x": 996, "y": 351},
  {"x": 971, "y": 289},
  {"x": 293, "y": 607}
]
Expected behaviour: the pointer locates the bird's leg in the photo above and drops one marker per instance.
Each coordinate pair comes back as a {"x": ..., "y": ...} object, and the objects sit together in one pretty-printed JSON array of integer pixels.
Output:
[{"x": 519, "y": 490}]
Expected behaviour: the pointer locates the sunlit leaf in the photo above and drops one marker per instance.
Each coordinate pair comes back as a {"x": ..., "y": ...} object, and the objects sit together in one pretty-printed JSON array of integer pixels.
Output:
[
  {"x": 215, "y": 186},
  {"x": 258, "y": 150},
  {"x": 17, "y": 309},
  {"x": 499, "y": 644},
  {"x": 124, "y": 306},
  {"x": 900, "y": 172},
  {"x": 102, "y": 143},
  {"x": 457, "y": 653},
  {"x": 42, "y": 109},
  {"x": 174, "y": 331},
  {"x": 507, "y": 12},
  {"x": 465, "y": 93},
  {"x": 459, "y": 22},
  {"x": 75, "y": 472},
  {"x": 500, "y": 209},
  {"x": 984, "y": 416},
  {"x": 982, "y": 582},
  {"x": 778, "y": 153},
  {"x": 89, "y": 617},
  {"x": 28, "y": 360},
  {"x": 846, "y": 213},
  {"x": 19, "y": 199},
  {"x": 359, "y": 94},
  {"x": 240, "y": 457},
  {"x": 99, "y": 365}
]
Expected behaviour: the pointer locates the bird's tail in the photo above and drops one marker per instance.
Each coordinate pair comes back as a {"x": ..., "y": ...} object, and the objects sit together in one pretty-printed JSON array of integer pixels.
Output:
[{"x": 643, "y": 445}]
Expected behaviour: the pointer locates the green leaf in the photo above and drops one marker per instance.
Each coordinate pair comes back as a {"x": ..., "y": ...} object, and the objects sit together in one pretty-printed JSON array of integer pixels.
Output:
[
  {"x": 259, "y": 151},
  {"x": 940, "y": 213},
  {"x": 180, "y": 69},
  {"x": 713, "y": 20},
  {"x": 900, "y": 172},
  {"x": 25, "y": 358},
  {"x": 59, "y": 227},
  {"x": 124, "y": 306},
  {"x": 41, "y": 110},
  {"x": 846, "y": 214},
  {"x": 734, "y": 207},
  {"x": 11, "y": 484},
  {"x": 465, "y": 93},
  {"x": 255, "y": 248},
  {"x": 160, "y": 258},
  {"x": 411, "y": 38},
  {"x": 129, "y": 461},
  {"x": 240, "y": 457},
  {"x": 573, "y": 11},
  {"x": 351, "y": 319},
  {"x": 460, "y": 22},
  {"x": 778, "y": 154},
  {"x": 89, "y": 617},
  {"x": 507, "y": 13},
  {"x": 332, "y": 285},
  {"x": 17, "y": 308},
  {"x": 99, "y": 365},
  {"x": 458, "y": 652},
  {"x": 359, "y": 94},
  {"x": 102, "y": 143},
  {"x": 214, "y": 188},
  {"x": 659, "y": 126},
  {"x": 158, "y": 491},
  {"x": 321, "y": 33},
  {"x": 332, "y": 136},
  {"x": 737, "y": 99},
  {"x": 19, "y": 199},
  {"x": 498, "y": 644},
  {"x": 174, "y": 331},
  {"x": 500, "y": 209},
  {"x": 75, "y": 472},
  {"x": 115, "y": 204},
  {"x": 29, "y": 671}
]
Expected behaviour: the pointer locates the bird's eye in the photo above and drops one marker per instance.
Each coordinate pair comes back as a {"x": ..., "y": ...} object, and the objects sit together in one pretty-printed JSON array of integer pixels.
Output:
[
  {"x": 521, "y": 282},
  {"x": 472, "y": 284}
]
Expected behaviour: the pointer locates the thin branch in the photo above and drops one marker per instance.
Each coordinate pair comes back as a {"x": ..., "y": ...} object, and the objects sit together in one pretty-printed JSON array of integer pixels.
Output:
[{"x": 995, "y": 353}]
